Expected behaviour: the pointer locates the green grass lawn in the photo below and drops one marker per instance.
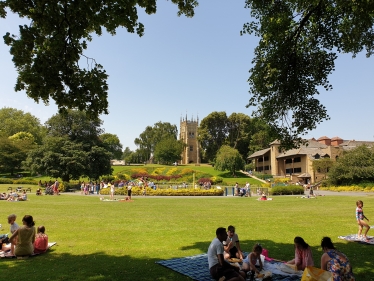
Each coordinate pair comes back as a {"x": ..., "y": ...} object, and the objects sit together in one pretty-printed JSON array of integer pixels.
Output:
[{"x": 121, "y": 241}]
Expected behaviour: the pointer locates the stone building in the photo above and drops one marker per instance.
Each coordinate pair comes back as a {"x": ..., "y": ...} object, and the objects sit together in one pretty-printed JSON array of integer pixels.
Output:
[
  {"x": 297, "y": 163},
  {"x": 188, "y": 134}
]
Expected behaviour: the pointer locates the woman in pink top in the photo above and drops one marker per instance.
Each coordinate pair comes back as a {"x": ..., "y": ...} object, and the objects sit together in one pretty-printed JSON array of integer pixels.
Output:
[
  {"x": 41, "y": 241},
  {"x": 303, "y": 254}
]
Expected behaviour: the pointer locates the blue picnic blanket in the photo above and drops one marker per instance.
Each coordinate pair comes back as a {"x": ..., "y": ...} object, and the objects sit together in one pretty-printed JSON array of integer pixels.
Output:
[{"x": 197, "y": 268}]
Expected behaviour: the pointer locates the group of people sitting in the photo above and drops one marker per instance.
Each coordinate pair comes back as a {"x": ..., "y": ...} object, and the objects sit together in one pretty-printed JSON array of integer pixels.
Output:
[
  {"x": 14, "y": 196},
  {"x": 226, "y": 247},
  {"x": 24, "y": 241}
]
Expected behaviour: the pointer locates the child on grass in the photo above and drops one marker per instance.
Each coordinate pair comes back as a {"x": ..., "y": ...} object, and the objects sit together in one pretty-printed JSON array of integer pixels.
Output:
[
  {"x": 41, "y": 241},
  {"x": 249, "y": 263},
  {"x": 360, "y": 220}
]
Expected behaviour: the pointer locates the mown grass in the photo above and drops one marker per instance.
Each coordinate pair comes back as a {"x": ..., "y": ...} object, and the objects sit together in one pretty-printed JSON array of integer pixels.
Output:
[{"x": 122, "y": 241}]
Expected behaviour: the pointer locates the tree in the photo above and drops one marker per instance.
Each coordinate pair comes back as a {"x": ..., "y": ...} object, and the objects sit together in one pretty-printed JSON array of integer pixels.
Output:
[
  {"x": 148, "y": 139},
  {"x": 112, "y": 144},
  {"x": 299, "y": 42},
  {"x": 127, "y": 154},
  {"x": 228, "y": 158},
  {"x": 46, "y": 53},
  {"x": 61, "y": 157},
  {"x": 323, "y": 165},
  {"x": 212, "y": 134},
  {"x": 13, "y": 152},
  {"x": 239, "y": 132},
  {"x": 13, "y": 121},
  {"x": 72, "y": 148},
  {"x": 168, "y": 150},
  {"x": 353, "y": 167},
  {"x": 76, "y": 126}
]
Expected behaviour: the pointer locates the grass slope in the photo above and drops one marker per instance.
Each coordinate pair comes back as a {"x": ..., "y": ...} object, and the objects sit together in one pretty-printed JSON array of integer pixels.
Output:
[{"x": 121, "y": 241}]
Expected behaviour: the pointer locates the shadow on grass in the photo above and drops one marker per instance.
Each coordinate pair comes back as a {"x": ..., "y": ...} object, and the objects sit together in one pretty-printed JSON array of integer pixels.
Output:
[
  {"x": 95, "y": 266},
  {"x": 100, "y": 266},
  {"x": 238, "y": 175}
]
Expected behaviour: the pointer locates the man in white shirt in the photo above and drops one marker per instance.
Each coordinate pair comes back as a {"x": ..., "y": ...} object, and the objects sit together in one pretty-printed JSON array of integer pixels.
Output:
[{"x": 218, "y": 267}]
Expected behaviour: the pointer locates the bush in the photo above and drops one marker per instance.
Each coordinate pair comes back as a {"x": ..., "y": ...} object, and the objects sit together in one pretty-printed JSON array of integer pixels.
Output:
[
  {"x": 65, "y": 186},
  {"x": 263, "y": 176},
  {"x": 25, "y": 181},
  {"x": 166, "y": 192},
  {"x": 287, "y": 190},
  {"x": 6, "y": 181}
]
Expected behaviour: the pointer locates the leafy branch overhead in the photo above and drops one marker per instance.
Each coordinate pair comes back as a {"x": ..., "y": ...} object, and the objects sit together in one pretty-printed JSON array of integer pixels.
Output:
[
  {"x": 46, "y": 53},
  {"x": 298, "y": 46}
]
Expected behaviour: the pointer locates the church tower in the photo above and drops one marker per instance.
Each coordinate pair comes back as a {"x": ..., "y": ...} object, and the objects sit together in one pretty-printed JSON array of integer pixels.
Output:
[{"x": 188, "y": 134}]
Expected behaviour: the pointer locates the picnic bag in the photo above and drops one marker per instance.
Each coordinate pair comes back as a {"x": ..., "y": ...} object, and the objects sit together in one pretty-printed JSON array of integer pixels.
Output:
[{"x": 312, "y": 273}]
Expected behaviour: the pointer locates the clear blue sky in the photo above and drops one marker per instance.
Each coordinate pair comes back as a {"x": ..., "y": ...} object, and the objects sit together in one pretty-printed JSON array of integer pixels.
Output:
[{"x": 193, "y": 66}]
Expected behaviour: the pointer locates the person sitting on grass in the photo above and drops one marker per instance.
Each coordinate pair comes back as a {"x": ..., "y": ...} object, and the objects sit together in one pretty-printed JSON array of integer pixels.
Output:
[
  {"x": 336, "y": 262},
  {"x": 39, "y": 191},
  {"x": 218, "y": 267},
  {"x": 25, "y": 237},
  {"x": 23, "y": 197},
  {"x": 303, "y": 254},
  {"x": 249, "y": 263},
  {"x": 232, "y": 245},
  {"x": 41, "y": 241},
  {"x": 13, "y": 228}
]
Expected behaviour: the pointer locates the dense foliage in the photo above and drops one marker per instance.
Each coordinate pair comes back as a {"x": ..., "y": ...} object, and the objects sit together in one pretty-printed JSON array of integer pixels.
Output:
[
  {"x": 47, "y": 51},
  {"x": 353, "y": 167},
  {"x": 298, "y": 46},
  {"x": 229, "y": 159}
]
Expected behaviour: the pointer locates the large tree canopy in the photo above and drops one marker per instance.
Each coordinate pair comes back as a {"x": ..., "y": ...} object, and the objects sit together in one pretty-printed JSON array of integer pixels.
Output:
[
  {"x": 299, "y": 42},
  {"x": 13, "y": 121},
  {"x": 151, "y": 136},
  {"x": 353, "y": 167},
  {"x": 46, "y": 53},
  {"x": 72, "y": 148}
]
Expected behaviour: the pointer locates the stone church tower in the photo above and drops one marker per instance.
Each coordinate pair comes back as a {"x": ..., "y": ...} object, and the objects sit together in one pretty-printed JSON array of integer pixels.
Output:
[{"x": 188, "y": 134}]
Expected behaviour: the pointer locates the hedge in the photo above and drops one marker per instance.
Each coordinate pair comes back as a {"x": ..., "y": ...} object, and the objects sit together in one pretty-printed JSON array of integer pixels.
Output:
[
  {"x": 287, "y": 190},
  {"x": 165, "y": 192}
]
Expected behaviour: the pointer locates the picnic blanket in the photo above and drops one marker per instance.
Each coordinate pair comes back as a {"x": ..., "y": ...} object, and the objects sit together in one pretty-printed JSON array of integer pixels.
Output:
[
  {"x": 197, "y": 268},
  {"x": 3, "y": 256},
  {"x": 353, "y": 238}
]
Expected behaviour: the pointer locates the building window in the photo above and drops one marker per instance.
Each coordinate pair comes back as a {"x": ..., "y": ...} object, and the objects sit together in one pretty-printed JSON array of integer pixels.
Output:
[
  {"x": 297, "y": 159},
  {"x": 260, "y": 159},
  {"x": 266, "y": 158},
  {"x": 289, "y": 161},
  {"x": 297, "y": 170},
  {"x": 316, "y": 156},
  {"x": 266, "y": 168},
  {"x": 191, "y": 148},
  {"x": 289, "y": 171}
]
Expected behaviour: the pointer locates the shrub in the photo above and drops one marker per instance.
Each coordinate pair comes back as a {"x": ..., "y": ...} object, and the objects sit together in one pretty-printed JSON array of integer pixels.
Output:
[
  {"x": 25, "y": 181},
  {"x": 216, "y": 180},
  {"x": 166, "y": 192},
  {"x": 172, "y": 171},
  {"x": 107, "y": 178},
  {"x": 6, "y": 181},
  {"x": 263, "y": 176},
  {"x": 65, "y": 186},
  {"x": 287, "y": 190}
]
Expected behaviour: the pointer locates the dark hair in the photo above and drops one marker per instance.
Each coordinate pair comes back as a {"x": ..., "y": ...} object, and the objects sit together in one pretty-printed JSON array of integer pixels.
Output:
[
  {"x": 41, "y": 229},
  {"x": 300, "y": 241},
  {"x": 257, "y": 248},
  {"x": 327, "y": 243},
  {"x": 28, "y": 220},
  {"x": 220, "y": 230},
  {"x": 359, "y": 202},
  {"x": 231, "y": 228}
]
